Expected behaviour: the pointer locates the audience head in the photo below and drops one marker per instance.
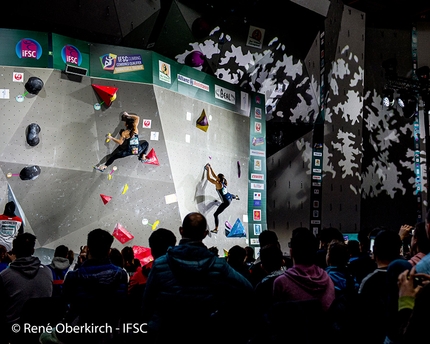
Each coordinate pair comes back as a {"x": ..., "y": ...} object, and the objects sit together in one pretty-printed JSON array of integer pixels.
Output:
[
  {"x": 363, "y": 238},
  {"x": 387, "y": 246},
  {"x": 194, "y": 227},
  {"x": 9, "y": 209},
  {"x": 116, "y": 258},
  {"x": 268, "y": 237},
  {"x": 71, "y": 256},
  {"x": 127, "y": 254},
  {"x": 99, "y": 242},
  {"x": 303, "y": 246},
  {"x": 337, "y": 254},
  {"x": 353, "y": 248},
  {"x": 160, "y": 240},
  {"x": 328, "y": 234},
  {"x": 271, "y": 258},
  {"x": 23, "y": 245},
  {"x": 249, "y": 254},
  {"x": 61, "y": 251},
  {"x": 420, "y": 242},
  {"x": 236, "y": 255}
]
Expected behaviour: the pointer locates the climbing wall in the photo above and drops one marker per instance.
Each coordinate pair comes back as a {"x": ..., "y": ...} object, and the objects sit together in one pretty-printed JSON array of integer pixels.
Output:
[
  {"x": 223, "y": 145},
  {"x": 65, "y": 201}
]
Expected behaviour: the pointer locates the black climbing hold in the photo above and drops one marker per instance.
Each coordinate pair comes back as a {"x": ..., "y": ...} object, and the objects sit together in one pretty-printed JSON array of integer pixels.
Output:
[
  {"x": 34, "y": 85},
  {"x": 29, "y": 173},
  {"x": 33, "y": 131}
]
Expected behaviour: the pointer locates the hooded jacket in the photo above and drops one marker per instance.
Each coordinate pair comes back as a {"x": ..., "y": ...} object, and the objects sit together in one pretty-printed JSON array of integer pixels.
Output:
[
  {"x": 302, "y": 282},
  {"x": 25, "y": 278},
  {"x": 189, "y": 286}
]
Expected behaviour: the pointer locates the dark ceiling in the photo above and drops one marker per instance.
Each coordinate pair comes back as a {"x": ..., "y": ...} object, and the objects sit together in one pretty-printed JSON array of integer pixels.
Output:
[
  {"x": 74, "y": 17},
  {"x": 392, "y": 14}
]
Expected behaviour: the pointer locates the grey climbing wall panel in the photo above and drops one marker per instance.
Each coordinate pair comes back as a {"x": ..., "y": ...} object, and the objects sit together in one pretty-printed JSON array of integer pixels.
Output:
[{"x": 189, "y": 148}]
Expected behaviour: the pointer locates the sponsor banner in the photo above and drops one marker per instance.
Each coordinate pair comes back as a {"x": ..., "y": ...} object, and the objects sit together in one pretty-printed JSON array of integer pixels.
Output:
[
  {"x": 255, "y": 152},
  {"x": 255, "y": 37},
  {"x": 257, "y": 186},
  {"x": 256, "y": 214},
  {"x": 316, "y": 177},
  {"x": 225, "y": 94},
  {"x": 257, "y": 164},
  {"x": 257, "y": 195},
  {"x": 258, "y": 113},
  {"x": 18, "y": 77},
  {"x": 164, "y": 72},
  {"x": 257, "y": 141},
  {"x": 257, "y": 176},
  {"x": 257, "y": 229},
  {"x": 192, "y": 82},
  {"x": 257, "y": 203},
  {"x": 317, "y": 154},
  {"x": 254, "y": 241},
  {"x": 71, "y": 55},
  {"x": 121, "y": 63},
  {"x": 146, "y": 123},
  {"x": 316, "y": 170},
  {"x": 70, "y": 51},
  {"x": 315, "y": 222}
]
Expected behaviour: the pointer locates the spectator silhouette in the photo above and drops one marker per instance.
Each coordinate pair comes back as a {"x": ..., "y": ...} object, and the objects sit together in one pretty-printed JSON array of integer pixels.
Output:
[
  {"x": 305, "y": 280},
  {"x": 189, "y": 288},
  {"x": 420, "y": 243},
  {"x": 10, "y": 225},
  {"x": 373, "y": 299},
  {"x": 130, "y": 262},
  {"x": 236, "y": 259},
  {"x": 59, "y": 266},
  {"x": 257, "y": 273},
  {"x": 25, "y": 278},
  {"x": 363, "y": 265},
  {"x": 96, "y": 292},
  {"x": 326, "y": 236}
]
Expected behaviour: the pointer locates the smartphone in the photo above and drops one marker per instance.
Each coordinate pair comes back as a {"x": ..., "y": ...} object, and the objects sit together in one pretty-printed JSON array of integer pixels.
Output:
[{"x": 372, "y": 242}]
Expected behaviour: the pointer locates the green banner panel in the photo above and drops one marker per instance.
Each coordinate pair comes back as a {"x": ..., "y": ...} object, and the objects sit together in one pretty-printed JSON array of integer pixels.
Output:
[
  {"x": 257, "y": 199},
  {"x": 121, "y": 63},
  {"x": 24, "y": 48},
  {"x": 70, "y": 51},
  {"x": 164, "y": 72}
]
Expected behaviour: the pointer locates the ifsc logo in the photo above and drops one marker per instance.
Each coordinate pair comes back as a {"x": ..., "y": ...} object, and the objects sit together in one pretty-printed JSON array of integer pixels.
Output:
[
  {"x": 28, "y": 48},
  {"x": 71, "y": 55}
]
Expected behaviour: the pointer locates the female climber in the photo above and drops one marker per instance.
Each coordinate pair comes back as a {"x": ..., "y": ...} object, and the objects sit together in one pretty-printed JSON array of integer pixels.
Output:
[
  {"x": 128, "y": 142},
  {"x": 221, "y": 187}
]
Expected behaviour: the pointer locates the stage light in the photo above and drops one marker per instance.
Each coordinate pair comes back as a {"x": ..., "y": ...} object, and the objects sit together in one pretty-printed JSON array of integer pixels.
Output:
[
  {"x": 388, "y": 97},
  {"x": 403, "y": 97}
]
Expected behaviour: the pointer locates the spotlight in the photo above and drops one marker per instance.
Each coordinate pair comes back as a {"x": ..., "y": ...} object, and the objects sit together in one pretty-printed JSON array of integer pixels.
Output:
[
  {"x": 388, "y": 97},
  {"x": 402, "y": 99}
]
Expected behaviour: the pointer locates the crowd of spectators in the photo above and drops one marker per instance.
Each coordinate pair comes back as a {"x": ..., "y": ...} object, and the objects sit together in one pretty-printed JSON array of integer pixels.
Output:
[{"x": 325, "y": 289}]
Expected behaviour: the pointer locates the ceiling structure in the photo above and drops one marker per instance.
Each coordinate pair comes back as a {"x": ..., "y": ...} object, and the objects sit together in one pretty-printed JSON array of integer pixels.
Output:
[{"x": 110, "y": 21}]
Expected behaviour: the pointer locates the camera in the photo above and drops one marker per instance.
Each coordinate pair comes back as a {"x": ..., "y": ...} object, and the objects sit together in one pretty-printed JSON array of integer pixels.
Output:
[{"x": 418, "y": 281}]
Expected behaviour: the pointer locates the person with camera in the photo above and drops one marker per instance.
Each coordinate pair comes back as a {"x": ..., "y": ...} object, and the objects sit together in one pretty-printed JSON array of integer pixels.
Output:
[{"x": 414, "y": 302}]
